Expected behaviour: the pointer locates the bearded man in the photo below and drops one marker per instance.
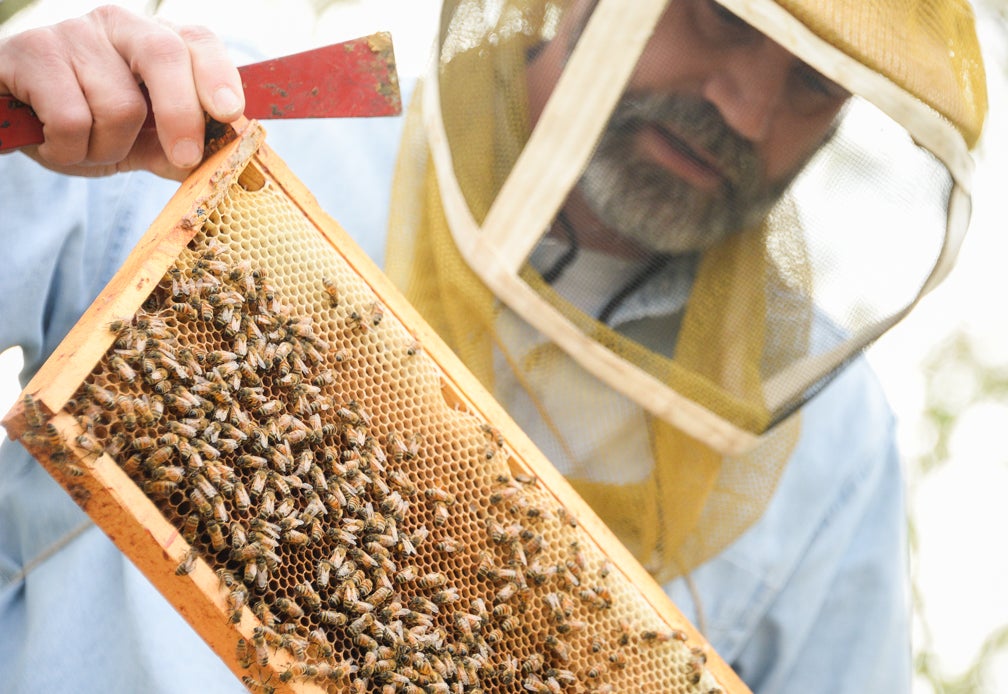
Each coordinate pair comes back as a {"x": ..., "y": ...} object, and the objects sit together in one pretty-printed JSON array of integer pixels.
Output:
[{"x": 654, "y": 230}]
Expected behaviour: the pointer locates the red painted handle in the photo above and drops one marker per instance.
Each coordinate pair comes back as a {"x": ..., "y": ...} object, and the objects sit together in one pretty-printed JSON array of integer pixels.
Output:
[{"x": 351, "y": 79}]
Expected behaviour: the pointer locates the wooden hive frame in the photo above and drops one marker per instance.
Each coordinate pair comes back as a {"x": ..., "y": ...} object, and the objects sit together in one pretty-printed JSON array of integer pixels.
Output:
[{"x": 42, "y": 420}]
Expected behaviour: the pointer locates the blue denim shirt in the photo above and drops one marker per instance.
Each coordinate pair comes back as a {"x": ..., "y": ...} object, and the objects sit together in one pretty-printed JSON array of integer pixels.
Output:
[{"x": 813, "y": 598}]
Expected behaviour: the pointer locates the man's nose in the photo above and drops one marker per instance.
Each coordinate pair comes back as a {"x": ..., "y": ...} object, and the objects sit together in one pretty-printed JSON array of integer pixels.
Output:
[{"x": 749, "y": 87}]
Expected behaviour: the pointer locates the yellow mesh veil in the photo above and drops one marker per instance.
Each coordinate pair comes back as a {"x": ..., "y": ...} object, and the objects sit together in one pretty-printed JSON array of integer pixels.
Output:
[
  {"x": 658, "y": 517},
  {"x": 673, "y": 495},
  {"x": 927, "y": 47}
]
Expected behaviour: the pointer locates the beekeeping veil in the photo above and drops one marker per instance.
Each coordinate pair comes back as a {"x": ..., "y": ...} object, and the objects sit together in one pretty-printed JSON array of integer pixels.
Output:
[{"x": 651, "y": 285}]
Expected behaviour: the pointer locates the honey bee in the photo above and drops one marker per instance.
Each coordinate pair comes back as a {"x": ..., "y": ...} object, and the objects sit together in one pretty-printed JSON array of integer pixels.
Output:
[
  {"x": 421, "y": 604},
  {"x": 201, "y": 503},
  {"x": 446, "y": 595},
  {"x": 194, "y": 460},
  {"x": 279, "y": 483},
  {"x": 441, "y": 514},
  {"x": 156, "y": 377},
  {"x": 365, "y": 641},
  {"x": 257, "y": 686},
  {"x": 308, "y": 595},
  {"x": 237, "y": 599},
  {"x": 563, "y": 677},
  {"x": 506, "y": 592},
  {"x": 406, "y": 574},
  {"x": 103, "y": 397},
  {"x": 247, "y": 460},
  {"x": 380, "y": 595},
  {"x": 89, "y": 443},
  {"x": 160, "y": 488},
  {"x": 533, "y": 663},
  {"x": 170, "y": 440},
  {"x": 663, "y": 636},
  {"x": 536, "y": 685},
  {"x": 226, "y": 578},
  {"x": 322, "y": 573},
  {"x": 267, "y": 503},
  {"x": 205, "y": 449},
  {"x": 216, "y": 534},
  {"x": 295, "y": 644},
  {"x": 335, "y": 673},
  {"x": 243, "y": 654},
  {"x": 259, "y": 478},
  {"x": 332, "y": 617},
  {"x": 534, "y": 545},
  {"x": 695, "y": 666},
  {"x": 263, "y": 612},
  {"x": 291, "y": 608},
  {"x": 572, "y": 625},
  {"x": 187, "y": 564},
  {"x": 119, "y": 326},
  {"x": 204, "y": 486},
  {"x": 182, "y": 429},
  {"x": 558, "y": 647},
  {"x": 566, "y": 517},
  {"x": 121, "y": 367},
  {"x": 209, "y": 264},
  {"x": 270, "y": 408},
  {"x": 34, "y": 416},
  {"x": 331, "y": 291},
  {"x": 363, "y": 623},
  {"x": 299, "y": 669},
  {"x": 448, "y": 545},
  {"x": 259, "y": 644},
  {"x": 131, "y": 466},
  {"x": 241, "y": 497},
  {"x": 602, "y": 596},
  {"x": 172, "y": 473}
]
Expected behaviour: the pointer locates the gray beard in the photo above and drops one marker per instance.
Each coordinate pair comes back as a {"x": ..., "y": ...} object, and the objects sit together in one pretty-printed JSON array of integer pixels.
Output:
[{"x": 643, "y": 201}]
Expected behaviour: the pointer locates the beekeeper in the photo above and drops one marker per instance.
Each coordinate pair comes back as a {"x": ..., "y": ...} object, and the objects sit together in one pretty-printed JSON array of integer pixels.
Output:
[{"x": 660, "y": 232}]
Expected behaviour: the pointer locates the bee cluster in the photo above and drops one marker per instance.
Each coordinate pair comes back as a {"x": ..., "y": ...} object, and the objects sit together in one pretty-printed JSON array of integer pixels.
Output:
[{"x": 304, "y": 451}]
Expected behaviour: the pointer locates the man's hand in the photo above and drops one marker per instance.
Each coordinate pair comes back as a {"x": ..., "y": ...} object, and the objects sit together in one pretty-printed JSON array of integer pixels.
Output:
[{"x": 82, "y": 78}]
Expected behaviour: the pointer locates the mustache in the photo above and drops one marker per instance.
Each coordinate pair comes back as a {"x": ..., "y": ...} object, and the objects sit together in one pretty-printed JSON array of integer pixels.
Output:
[{"x": 698, "y": 129}]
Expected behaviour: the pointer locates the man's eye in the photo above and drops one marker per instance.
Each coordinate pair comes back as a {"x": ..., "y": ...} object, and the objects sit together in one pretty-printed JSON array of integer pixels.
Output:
[
  {"x": 813, "y": 81},
  {"x": 811, "y": 91},
  {"x": 720, "y": 25},
  {"x": 726, "y": 16}
]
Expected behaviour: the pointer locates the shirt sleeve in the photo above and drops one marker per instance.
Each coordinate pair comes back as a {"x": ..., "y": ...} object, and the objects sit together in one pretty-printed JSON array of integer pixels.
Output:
[
  {"x": 63, "y": 238},
  {"x": 814, "y": 596},
  {"x": 840, "y": 623}
]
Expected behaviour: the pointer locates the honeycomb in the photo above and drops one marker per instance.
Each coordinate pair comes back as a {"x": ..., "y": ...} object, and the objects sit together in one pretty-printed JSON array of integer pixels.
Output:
[{"x": 365, "y": 532}]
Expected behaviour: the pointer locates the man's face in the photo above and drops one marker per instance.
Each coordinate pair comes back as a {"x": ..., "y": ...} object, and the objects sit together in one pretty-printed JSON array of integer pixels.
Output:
[{"x": 715, "y": 123}]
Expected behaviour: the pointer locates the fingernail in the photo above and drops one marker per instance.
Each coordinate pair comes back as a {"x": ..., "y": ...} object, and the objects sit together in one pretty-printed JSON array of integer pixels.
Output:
[
  {"x": 186, "y": 153},
  {"x": 227, "y": 102}
]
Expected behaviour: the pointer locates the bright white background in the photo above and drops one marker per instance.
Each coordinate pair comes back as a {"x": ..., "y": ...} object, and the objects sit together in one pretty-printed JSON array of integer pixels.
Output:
[{"x": 959, "y": 511}]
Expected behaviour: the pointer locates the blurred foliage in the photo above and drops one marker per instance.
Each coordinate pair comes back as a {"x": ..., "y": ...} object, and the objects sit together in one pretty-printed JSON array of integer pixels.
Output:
[
  {"x": 958, "y": 358},
  {"x": 9, "y": 8}
]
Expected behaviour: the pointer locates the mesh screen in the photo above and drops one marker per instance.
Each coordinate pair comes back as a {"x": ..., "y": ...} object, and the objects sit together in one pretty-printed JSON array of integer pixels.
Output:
[
  {"x": 737, "y": 234},
  {"x": 928, "y": 47},
  {"x": 297, "y": 437},
  {"x": 734, "y": 228}
]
